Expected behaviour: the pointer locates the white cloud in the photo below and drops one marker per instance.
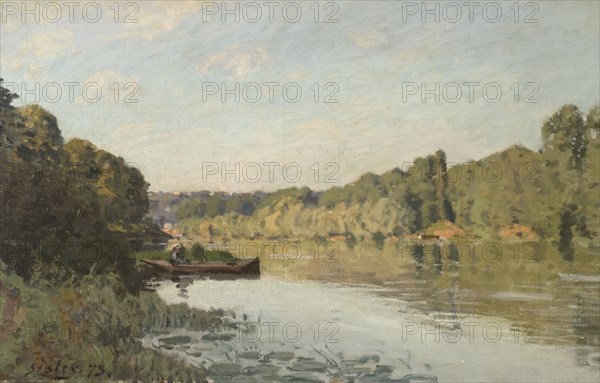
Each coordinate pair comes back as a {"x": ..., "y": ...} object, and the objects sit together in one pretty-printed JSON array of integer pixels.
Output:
[
  {"x": 237, "y": 62},
  {"x": 368, "y": 39},
  {"x": 105, "y": 78},
  {"x": 324, "y": 127},
  {"x": 40, "y": 48},
  {"x": 133, "y": 129},
  {"x": 115, "y": 87},
  {"x": 46, "y": 45},
  {"x": 299, "y": 75},
  {"x": 34, "y": 53},
  {"x": 151, "y": 18}
]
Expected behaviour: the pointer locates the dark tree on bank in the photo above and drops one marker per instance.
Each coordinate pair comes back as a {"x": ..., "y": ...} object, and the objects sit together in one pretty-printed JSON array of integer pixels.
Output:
[
  {"x": 54, "y": 200},
  {"x": 6, "y": 97},
  {"x": 565, "y": 240}
]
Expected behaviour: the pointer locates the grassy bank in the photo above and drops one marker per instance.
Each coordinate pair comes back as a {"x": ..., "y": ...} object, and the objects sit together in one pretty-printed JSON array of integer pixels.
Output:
[{"x": 89, "y": 331}]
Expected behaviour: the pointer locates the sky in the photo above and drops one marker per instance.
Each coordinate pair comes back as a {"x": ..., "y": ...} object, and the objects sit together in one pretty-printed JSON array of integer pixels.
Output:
[{"x": 326, "y": 91}]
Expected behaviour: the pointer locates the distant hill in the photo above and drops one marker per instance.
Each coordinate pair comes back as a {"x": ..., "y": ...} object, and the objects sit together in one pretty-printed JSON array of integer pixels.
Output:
[
  {"x": 164, "y": 205},
  {"x": 552, "y": 193},
  {"x": 169, "y": 207}
]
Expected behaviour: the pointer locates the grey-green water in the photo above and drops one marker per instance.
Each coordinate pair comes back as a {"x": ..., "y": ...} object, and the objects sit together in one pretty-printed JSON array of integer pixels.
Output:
[{"x": 315, "y": 331}]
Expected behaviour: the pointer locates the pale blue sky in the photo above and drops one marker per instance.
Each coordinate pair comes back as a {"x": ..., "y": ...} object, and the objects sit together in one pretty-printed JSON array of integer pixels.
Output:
[{"x": 369, "y": 53}]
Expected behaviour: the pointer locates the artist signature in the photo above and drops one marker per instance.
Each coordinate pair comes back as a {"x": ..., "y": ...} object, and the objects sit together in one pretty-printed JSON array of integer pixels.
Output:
[{"x": 65, "y": 369}]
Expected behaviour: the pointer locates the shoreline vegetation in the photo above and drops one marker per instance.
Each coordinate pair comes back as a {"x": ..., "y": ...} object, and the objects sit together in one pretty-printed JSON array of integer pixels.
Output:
[
  {"x": 85, "y": 331},
  {"x": 75, "y": 302}
]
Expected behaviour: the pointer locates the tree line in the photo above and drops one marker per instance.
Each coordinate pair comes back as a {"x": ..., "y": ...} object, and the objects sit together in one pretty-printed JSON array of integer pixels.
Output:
[
  {"x": 554, "y": 191},
  {"x": 68, "y": 208}
]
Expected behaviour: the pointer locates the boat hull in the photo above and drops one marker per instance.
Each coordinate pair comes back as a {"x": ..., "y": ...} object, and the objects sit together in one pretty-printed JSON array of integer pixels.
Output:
[{"x": 246, "y": 267}]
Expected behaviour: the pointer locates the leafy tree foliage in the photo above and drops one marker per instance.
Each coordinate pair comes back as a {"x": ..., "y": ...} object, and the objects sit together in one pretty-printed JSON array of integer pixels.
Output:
[
  {"x": 120, "y": 188},
  {"x": 6, "y": 97},
  {"x": 565, "y": 132},
  {"x": 379, "y": 239},
  {"x": 65, "y": 208}
]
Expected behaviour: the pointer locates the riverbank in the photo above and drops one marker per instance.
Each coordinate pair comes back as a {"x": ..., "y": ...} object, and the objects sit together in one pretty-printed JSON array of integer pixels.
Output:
[
  {"x": 298, "y": 331},
  {"x": 204, "y": 330},
  {"x": 90, "y": 331}
]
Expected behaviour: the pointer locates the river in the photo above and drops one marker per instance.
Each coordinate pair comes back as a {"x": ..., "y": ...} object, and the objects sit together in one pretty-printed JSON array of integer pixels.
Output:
[{"x": 313, "y": 331}]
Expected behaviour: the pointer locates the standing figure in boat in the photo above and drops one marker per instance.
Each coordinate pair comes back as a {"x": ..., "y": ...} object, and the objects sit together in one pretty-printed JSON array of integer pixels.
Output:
[{"x": 177, "y": 256}]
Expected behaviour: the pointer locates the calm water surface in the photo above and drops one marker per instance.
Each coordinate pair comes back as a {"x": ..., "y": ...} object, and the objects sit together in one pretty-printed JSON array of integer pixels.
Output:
[{"x": 394, "y": 327}]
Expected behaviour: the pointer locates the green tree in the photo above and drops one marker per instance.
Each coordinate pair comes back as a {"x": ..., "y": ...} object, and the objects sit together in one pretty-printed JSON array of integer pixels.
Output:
[
  {"x": 565, "y": 241},
  {"x": 379, "y": 239},
  {"x": 350, "y": 240},
  {"x": 6, "y": 97},
  {"x": 588, "y": 195},
  {"x": 119, "y": 187},
  {"x": 453, "y": 254},
  {"x": 198, "y": 253},
  {"x": 330, "y": 198},
  {"x": 32, "y": 196},
  {"x": 426, "y": 191},
  {"x": 414, "y": 202},
  {"x": 565, "y": 132},
  {"x": 418, "y": 254},
  {"x": 442, "y": 187},
  {"x": 52, "y": 217}
]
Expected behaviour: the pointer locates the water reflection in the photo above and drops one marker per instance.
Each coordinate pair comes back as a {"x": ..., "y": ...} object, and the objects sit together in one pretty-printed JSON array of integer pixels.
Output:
[
  {"x": 284, "y": 330},
  {"x": 563, "y": 311}
]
